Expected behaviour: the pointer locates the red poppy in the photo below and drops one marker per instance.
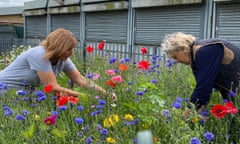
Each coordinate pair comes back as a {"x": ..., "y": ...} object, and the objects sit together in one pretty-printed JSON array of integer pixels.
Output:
[
  {"x": 110, "y": 83},
  {"x": 51, "y": 120},
  {"x": 123, "y": 67},
  {"x": 231, "y": 108},
  {"x": 143, "y": 65},
  {"x": 73, "y": 99},
  {"x": 48, "y": 88},
  {"x": 219, "y": 111},
  {"x": 89, "y": 49},
  {"x": 101, "y": 45},
  {"x": 62, "y": 100},
  {"x": 144, "y": 50}
]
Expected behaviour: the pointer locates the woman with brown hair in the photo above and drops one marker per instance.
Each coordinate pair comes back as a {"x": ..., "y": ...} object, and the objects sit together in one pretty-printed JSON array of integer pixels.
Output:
[{"x": 41, "y": 64}]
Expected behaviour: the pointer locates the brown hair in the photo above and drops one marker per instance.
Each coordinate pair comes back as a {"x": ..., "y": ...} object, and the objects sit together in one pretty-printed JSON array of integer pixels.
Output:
[{"x": 58, "y": 42}]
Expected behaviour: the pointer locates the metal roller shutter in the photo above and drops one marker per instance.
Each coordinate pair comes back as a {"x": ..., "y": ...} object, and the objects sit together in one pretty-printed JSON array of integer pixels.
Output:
[
  {"x": 67, "y": 21},
  {"x": 107, "y": 25},
  {"x": 36, "y": 27},
  {"x": 228, "y": 22},
  {"x": 153, "y": 23}
]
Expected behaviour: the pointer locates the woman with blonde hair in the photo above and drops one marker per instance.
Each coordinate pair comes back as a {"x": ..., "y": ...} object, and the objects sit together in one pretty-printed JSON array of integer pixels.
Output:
[
  {"x": 215, "y": 64},
  {"x": 41, "y": 64}
]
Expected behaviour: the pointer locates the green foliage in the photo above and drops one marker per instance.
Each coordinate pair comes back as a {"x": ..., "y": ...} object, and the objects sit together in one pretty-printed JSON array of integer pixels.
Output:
[{"x": 148, "y": 110}]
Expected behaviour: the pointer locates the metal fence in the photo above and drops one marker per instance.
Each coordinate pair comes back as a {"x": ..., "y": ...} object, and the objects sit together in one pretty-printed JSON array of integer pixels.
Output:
[{"x": 9, "y": 44}]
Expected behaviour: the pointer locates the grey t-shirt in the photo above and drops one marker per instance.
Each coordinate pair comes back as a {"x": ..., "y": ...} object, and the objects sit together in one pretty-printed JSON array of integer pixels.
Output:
[{"x": 23, "y": 70}]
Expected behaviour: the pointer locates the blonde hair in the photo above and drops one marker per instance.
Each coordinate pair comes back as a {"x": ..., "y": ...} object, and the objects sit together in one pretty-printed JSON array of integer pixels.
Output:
[
  {"x": 58, "y": 42},
  {"x": 177, "y": 41}
]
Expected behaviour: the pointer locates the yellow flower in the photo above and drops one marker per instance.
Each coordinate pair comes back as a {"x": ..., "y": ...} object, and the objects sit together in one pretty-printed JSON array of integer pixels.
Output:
[
  {"x": 128, "y": 117},
  {"x": 108, "y": 122},
  {"x": 115, "y": 118},
  {"x": 110, "y": 140},
  {"x": 36, "y": 117}
]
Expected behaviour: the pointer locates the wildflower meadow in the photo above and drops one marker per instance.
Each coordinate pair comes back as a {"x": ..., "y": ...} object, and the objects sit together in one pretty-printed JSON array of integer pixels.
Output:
[{"x": 151, "y": 94}]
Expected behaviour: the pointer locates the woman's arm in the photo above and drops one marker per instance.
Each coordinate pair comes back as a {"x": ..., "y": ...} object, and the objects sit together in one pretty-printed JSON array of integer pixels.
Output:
[{"x": 49, "y": 78}]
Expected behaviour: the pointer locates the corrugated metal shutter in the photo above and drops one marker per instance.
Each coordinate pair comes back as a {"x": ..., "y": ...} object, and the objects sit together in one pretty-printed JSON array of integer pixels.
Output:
[
  {"x": 228, "y": 22},
  {"x": 36, "y": 26},
  {"x": 153, "y": 23},
  {"x": 67, "y": 21},
  {"x": 107, "y": 25}
]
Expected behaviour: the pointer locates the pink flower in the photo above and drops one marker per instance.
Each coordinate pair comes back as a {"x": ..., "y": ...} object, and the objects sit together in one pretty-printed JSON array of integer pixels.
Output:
[
  {"x": 110, "y": 72},
  {"x": 51, "y": 120},
  {"x": 96, "y": 76},
  {"x": 117, "y": 79}
]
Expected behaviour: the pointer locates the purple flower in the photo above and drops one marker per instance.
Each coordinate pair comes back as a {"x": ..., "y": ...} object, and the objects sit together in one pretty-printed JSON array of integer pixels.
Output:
[
  {"x": 79, "y": 120},
  {"x": 165, "y": 112},
  {"x": 179, "y": 99},
  {"x": 177, "y": 105},
  {"x": 20, "y": 117},
  {"x": 112, "y": 60},
  {"x": 231, "y": 94},
  {"x": 104, "y": 131},
  {"x": 139, "y": 93},
  {"x": 40, "y": 93},
  {"x": 25, "y": 112},
  {"x": 195, "y": 141},
  {"x": 89, "y": 140},
  {"x": 63, "y": 108},
  {"x": 90, "y": 75},
  {"x": 55, "y": 113},
  {"x": 154, "y": 81},
  {"x": 208, "y": 136},
  {"x": 101, "y": 102},
  {"x": 7, "y": 113},
  {"x": 80, "y": 108},
  {"x": 21, "y": 92}
]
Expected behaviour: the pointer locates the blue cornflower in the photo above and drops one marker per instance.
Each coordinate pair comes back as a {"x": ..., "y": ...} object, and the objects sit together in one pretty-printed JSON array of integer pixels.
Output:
[
  {"x": 80, "y": 108},
  {"x": 195, "y": 141},
  {"x": 8, "y": 113},
  {"x": 127, "y": 59},
  {"x": 99, "y": 127},
  {"x": 5, "y": 108},
  {"x": 179, "y": 99},
  {"x": 154, "y": 81},
  {"x": 42, "y": 98},
  {"x": 112, "y": 60},
  {"x": 90, "y": 75},
  {"x": 25, "y": 98},
  {"x": 177, "y": 105},
  {"x": 99, "y": 107},
  {"x": 25, "y": 112},
  {"x": 165, "y": 112},
  {"x": 79, "y": 120},
  {"x": 40, "y": 93},
  {"x": 116, "y": 70},
  {"x": 54, "y": 98},
  {"x": 134, "y": 141},
  {"x": 139, "y": 93},
  {"x": 204, "y": 113},
  {"x": 231, "y": 94},
  {"x": 104, "y": 131},
  {"x": 101, "y": 102},
  {"x": 21, "y": 92},
  {"x": 130, "y": 83},
  {"x": 208, "y": 136},
  {"x": 63, "y": 108},
  {"x": 94, "y": 113},
  {"x": 55, "y": 113},
  {"x": 20, "y": 117},
  {"x": 89, "y": 140}
]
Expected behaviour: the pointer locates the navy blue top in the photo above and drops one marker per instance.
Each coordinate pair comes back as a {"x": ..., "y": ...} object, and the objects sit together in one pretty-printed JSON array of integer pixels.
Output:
[
  {"x": 205, "y": 68},
  {"x": 210, "y": 72}
]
